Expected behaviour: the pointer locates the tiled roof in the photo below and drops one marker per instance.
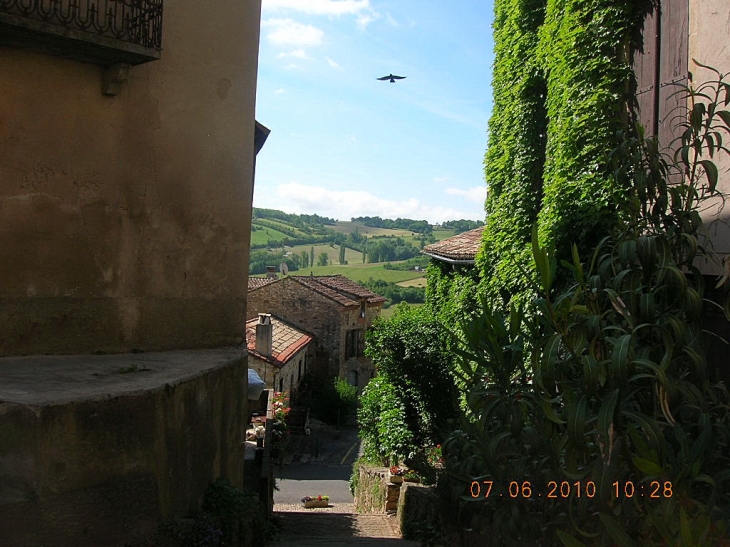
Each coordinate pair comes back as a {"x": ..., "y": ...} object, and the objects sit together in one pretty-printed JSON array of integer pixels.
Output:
[
  {"x": 256, "y": 282},
  {"x": 286, "y": 341},
  {"x": 461, "y": 248},
  {"x": 339, "y": 288}
]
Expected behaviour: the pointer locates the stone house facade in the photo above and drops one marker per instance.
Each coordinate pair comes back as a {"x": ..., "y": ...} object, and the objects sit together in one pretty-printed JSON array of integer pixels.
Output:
[
  {"x": 278, "y": 352},
  {"x": 335, "y": 310}
]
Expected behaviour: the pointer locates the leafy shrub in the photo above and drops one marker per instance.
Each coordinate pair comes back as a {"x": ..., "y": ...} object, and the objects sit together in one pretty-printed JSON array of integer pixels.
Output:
[
  {"x": 617, "y": 390},
  {"x": 333, "y": 402},
  {"x": 410, "y": 350},
  {"x": 386, "y": 437},
  {"x": 227, "y": 517}
]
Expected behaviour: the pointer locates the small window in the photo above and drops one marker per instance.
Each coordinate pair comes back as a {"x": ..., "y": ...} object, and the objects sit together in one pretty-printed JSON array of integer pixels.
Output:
[
  {"x": 363, "y": 307},
  {"x": 355, "y": 343},
  {"x": 352, "y": 378}
]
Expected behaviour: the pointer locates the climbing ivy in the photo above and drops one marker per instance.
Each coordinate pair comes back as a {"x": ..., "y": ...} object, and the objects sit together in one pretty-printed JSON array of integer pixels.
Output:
[
  {"x": 561, "y": 84},
  {"x": 516, "y": 152}
]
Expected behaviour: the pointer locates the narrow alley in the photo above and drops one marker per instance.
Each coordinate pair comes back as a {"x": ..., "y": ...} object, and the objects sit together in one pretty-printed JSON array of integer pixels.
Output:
[{"x": 321, "y": 464}]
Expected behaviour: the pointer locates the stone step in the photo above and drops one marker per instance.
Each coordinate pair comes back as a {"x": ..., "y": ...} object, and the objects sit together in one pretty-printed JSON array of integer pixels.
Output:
[{"x": 308, "y": 529}]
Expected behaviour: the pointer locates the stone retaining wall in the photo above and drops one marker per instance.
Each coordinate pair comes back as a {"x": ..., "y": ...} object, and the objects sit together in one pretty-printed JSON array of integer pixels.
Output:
[{"x": 414, "y": 503}]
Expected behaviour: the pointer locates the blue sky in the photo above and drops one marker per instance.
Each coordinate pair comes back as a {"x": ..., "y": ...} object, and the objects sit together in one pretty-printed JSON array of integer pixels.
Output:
[{"x": 344, "y": 144}]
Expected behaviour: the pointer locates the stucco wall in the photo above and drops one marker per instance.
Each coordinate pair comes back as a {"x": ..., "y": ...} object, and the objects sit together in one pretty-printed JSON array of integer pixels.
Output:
[
  {"x": 289, "y": 372},
  {"x": 124, "y": 221},
  {"x": 105, "y": 470},
  {"x": 708, "y": 21}
]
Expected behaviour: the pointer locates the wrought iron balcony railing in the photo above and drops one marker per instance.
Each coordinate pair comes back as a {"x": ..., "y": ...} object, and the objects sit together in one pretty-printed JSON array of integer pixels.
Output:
[{"x": 99, "y": 31}]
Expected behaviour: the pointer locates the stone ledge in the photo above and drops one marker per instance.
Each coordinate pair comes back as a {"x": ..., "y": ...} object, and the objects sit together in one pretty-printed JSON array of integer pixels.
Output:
[{"x": 41, "y": 380}]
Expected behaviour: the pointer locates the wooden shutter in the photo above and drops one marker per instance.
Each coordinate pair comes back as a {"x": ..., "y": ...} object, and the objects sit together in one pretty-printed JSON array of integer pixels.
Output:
[
  {"x": 673, "y": 67},
  {"x": 660, "y": 65},
  {"x": 645, "y": 65}
]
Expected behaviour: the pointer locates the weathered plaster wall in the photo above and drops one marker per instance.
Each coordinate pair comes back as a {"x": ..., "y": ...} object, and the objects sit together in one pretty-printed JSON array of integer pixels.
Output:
[
  {"x": 124, "y": 221},
  {"x": 709, "y": 20},
  {"x": 105, "y": 470},
  {"x": 289, "y": 372}
]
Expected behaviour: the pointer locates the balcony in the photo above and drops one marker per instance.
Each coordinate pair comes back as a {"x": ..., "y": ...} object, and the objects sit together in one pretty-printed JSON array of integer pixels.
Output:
[{"x": 104, "y": 32}]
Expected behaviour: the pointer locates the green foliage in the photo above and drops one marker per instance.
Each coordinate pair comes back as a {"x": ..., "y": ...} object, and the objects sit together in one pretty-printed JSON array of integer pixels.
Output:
[
  {"x": 385, "y": 249},
  {"x": 333, "y": 402},
  {"x": 323, "y": 259},
  {"x": 386, "y": 437},
  {"x": 227, "y": 517},
  {"x": 451, "y": 292},
  {"x": 459, "y": 226},
  {"x": 417, "y": 226},
  {"x": 409, "y": 350},
  {"x": 560, "y": 84},
  {"x": 395, "y": 293},
  {"x": 259, "y": 260},
  {"x": 616, "y": 389}
]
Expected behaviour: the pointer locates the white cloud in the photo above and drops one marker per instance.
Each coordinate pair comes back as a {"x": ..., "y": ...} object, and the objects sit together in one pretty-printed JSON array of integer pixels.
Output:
[
  {"x": 280, "y": 91},
  {"x": 286, "y": 32},
  {"x": 299, "y": 53},
  {"x": 319, "y": 7},
  {"x": 391, "y": 21},
  {"x": 332, "y": 63},
  {"x": 345, "y": 204},
  {"x": 476, "y": 194}
]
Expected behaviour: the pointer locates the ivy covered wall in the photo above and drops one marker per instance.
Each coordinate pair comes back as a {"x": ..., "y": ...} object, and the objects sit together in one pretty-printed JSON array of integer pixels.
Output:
[{"x": 561, "y": 83}]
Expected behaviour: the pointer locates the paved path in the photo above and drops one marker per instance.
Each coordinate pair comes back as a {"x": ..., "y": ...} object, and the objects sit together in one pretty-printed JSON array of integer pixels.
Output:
[
  {"x": 315, "y": 528},
  {"x": 321, "y": 463}
]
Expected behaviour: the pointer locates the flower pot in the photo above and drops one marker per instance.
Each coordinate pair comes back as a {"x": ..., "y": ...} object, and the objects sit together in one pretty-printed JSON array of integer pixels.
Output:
[
  {"x": 315, "y": 503},
  {"x": 412, "y": 479},
  {"x": 395, "y": 479}
]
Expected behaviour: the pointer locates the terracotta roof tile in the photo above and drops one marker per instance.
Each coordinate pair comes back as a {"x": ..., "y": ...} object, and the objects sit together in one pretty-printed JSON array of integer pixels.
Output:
[
  {"x": 461, "y": 247},
  {"x": 256, "y": 282},
  {"x": 340, "y": 289},
  {"x": 286, "y": 341}
]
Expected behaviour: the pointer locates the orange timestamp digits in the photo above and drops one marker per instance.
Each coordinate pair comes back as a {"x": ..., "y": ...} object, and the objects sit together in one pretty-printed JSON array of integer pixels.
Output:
[
  {"x": 525, "y": 489},
  {"x": 566, "y": 489}
]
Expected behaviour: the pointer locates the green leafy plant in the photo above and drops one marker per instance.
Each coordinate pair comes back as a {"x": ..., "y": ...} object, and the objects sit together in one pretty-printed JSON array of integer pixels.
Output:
[
  {"x": 616, "y": 391},
  {"x": 227, "y": 517},
  {"x": 386, "y": 437}
]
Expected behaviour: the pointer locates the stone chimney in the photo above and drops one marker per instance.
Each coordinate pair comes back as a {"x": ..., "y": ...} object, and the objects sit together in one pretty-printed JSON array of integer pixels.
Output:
[
  {"x": 264, "y": 334},
  {"x": 271, "y": 272}
]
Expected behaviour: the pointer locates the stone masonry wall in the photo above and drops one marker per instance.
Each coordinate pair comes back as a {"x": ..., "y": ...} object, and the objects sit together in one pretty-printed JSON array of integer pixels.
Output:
[{"x": 307, "y": 310}]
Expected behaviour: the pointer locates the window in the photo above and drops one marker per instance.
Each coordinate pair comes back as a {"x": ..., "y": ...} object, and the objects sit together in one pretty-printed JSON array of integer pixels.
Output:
[{"x": 355, "y": 343}]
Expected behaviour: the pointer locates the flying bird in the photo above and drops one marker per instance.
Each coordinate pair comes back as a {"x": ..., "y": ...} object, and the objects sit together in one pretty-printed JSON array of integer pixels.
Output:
[{"x": 392, "y": 78}]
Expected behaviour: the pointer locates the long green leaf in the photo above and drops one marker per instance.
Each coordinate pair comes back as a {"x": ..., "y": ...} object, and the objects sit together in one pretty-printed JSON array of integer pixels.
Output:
[
  {"x": 616, "y": 531},
  {"x": 569, "y": 541},
  {"x": 606, "y": 414}
]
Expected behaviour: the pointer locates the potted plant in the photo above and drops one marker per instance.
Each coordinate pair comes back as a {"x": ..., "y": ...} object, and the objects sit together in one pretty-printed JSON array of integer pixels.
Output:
[
  {"x": 315, "y": 501},
  {"x": 395, "y": 474},
  {"x": 411, "y": 476}
]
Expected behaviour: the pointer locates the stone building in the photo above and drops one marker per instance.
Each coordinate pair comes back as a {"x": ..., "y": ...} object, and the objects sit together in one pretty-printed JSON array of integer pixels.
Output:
[
  {"x": 335, "y": 310},
  {"x": 128, "y": 150},
  {"x": 278, "y": 352}
]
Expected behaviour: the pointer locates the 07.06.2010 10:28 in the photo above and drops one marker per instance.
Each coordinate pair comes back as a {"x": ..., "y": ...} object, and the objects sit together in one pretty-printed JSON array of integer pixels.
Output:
[{"x": 565, "y": 489}]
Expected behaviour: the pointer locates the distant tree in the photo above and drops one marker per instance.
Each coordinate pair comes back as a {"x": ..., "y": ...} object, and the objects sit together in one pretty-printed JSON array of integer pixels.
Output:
[
  {"x": 323, "y": 259},
  {"x": 305, "y": 259},
  {"x": 342, "y": 254},
  {"x": 311, "y": 256}
]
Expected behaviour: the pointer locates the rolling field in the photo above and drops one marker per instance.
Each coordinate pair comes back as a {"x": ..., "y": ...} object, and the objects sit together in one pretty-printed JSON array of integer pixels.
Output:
[
  {"x": 362, "y": 272},
  {"x": 264, "y": 234}
]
